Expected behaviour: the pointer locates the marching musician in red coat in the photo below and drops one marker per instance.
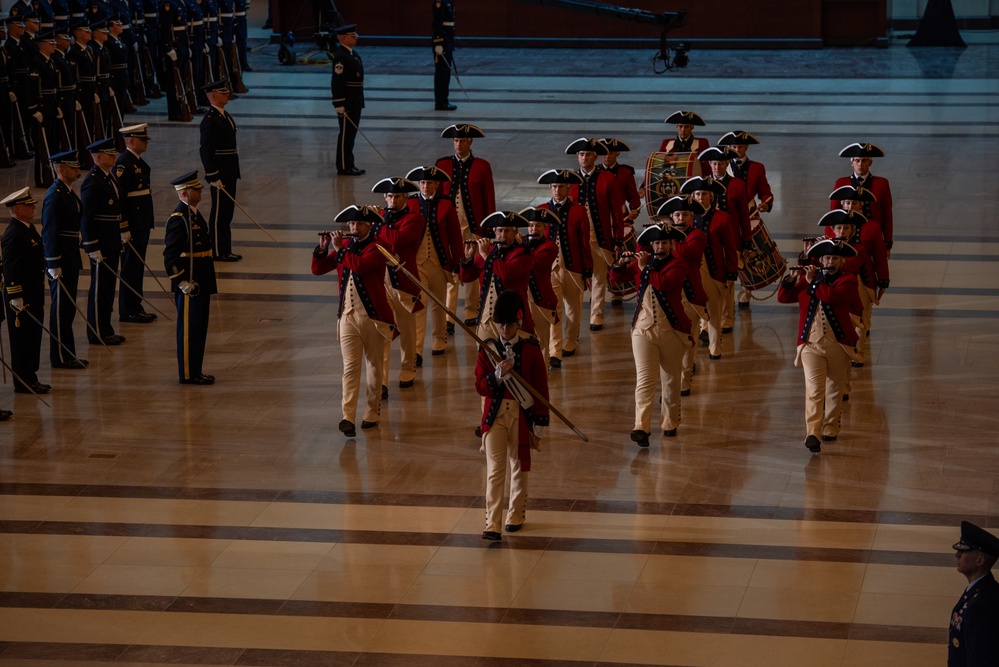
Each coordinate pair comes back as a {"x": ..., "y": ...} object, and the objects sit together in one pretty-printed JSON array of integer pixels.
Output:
[
  {"x": 367, "y": 325},
  {"x": 603, "y": 199},
  {"x": 474, "y": 196},
  {"x": 501, "y": 264},
  {"x": 680, "y": 211},
  {"x": 735, "y": 202},
  {"x": 438, "y": 254},
  {"x": 685, "y": 141},
  {"x": 879, "y": 211},
  {"x": 660, "y": 329},
  {"x": 826, "y": 297},
  {"x": 544, "y": 301},
  {"x": 721, "y": 256},
  {"x": 572, "y": 273},
  {"x": 401, "y": 231},
  {"x": 625, "y": 175},
  {"x": 754, "y": 175},
  {"x": 513, "y": 421}
]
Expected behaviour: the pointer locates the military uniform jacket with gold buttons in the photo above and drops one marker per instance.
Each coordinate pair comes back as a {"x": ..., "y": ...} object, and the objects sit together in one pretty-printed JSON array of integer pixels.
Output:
[
  {"x": 347, "y": 83},
  {"x": 61, "y": 227},
  {"x": 187, "y": 250},
  {"x": 133, "y": 176},
  {"x": 974, "y": 626},
  {"x": 362, "y": 261},
  {"x": 101, "y": 222},
  {"x": 24, "y": 263},
  {"x": 836, "y": 294},
  {"x": 218, "y": 146}
]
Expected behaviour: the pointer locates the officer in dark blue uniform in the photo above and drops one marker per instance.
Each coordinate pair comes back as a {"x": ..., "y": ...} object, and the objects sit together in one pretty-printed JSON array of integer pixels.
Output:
[
  {"x": 187, "y": 255},
  {"x": 175, "y": 53},
  {"x": 348, "y": 97},
  {"x": 133, "y": 176},
  {"x": 443, "y": 40},
  {"x": 221, "y": 161},
  {"x": 66, "y": 92},
  {"x": 974, "y": 623},
  {"x": 43, "y": 105},
  {"x": 61, "y": 234}
]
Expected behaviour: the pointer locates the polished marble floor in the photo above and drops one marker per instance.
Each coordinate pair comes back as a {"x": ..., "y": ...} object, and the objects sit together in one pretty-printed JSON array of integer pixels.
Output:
[{"x": 144, "y": 522}]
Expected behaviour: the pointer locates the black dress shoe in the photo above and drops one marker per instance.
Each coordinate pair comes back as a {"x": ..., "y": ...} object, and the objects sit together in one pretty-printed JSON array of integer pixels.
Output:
[
  {"x": 857, "y": 364},
  {"x": 685, "y": 392},
  {"x": 846, "y": 397},
  {"x": 200, "y": 379},
  {"x": 617, "y": 301},
  {"x": 208, "y": 377},
  {"x": 138, "y": 318},
  {"x": 419, "y": 360},
  {"x": 568, "y": 353},
  {"x": 367, "y": 424},
  {"x": 596, "y": 327},
  {"x": 384, "y": 392},
  {"x": 449, "y": 329},
  {"x": 703, "y": 337},
  {"x": 353, "y": 171},
  {"x": 726, "y": 330},
  {"x": 478, "y": 431},
  {"x": 446, "y": 107},
  {"x": 669, "y": 432},
  {"x": 714, "y": 356},
  {"x": 471, "y": 322},
  {"x": 436, "y": 353},
  {"x": 347, "y": 428},
  {"x": 491, "y": 535},
  {"x": 230, "y": 257},
  {"x": 110, "y": 339},
  {"x": 37, "y": 388},
  {"x": 743, "y": 305},
  {"x": 829, "y": 438},
  {"x": 555, "y": 362},
  {"x": 5, "y": 415},
  {"x": 74, "y": 364},
  {"x": 813, "y": 444},
  {"x": 406, "y": 384},
  {"x": 513, "y": 527},
  {"x": 640, "y": 437}
]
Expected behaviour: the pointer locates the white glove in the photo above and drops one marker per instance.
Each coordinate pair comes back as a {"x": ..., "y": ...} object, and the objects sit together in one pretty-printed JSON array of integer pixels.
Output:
[
  {"x": 56, "y": 273},
  {"x": 539, "y": 432},
  {"x": 499, "y": 373},
  {"x": 97, "y": 98},
  {"x": 59, "y": 113},
  {"x": 17, "y": 304},
  {"x": 13, "y": 97},
  {"x": 79, "y": 107},
  {"x": 206, "y": 48},
  {"x": 340, "y": 110},
  {"x": 439, "y": 50},
  {"x": 135, "y": 47},
  {"x": 96, "y": 256},
  {"x": 38, "y": 116},
  {"x": 172, "y": 55},
  {"x": 218, "y": 41},
  {"x": 126, "y": 237},
  {"x": 185, "y": 287},
  {"x": 111, "y": 92}
]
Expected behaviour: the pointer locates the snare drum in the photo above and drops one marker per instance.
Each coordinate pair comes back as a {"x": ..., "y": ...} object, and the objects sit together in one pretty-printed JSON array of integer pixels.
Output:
[
  {"x": 624, "y": 289},
  {"x": 664, "y": 174},
  {"x": 762, "y": 264}
]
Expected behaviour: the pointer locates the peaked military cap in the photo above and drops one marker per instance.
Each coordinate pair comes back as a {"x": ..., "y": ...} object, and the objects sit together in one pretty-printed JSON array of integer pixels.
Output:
[
  {"x": 220, "y": 86},
  {"x": 584, "y": 144},
  {"x": 974, "y": 538},
  {"x": 534, "y": 214},
  {"x": 717, "y": 154},
  {"x": 560, "y": 176},
  {"x": 503, "y": 219},
  {"x": 116, "y": 18},
  {"x": 509, "y": 308},
  {"x": 99, "y": 25},
  {"x": 680, "y": 203},
  {"x": 862, "y": 150},
  {"x": 353, "y": 213},
  {"x": 103, "y": 146},
  {"x": 841, "y": 217},
  {"x": 615, "y": 145},
  {"x": 831, "y": 247},
  {"x": 349, "y": 29},
  {"x": 140, "y": 131},
  {"x": 80, "y": 24},
  {"x": 685, "y": 118},
  {"x": 188, "y": 180},
  {"x": 22, "y": 197},
  {"x": 428, "y": 174},
  {"x": 462, "y": 131},
  {"x": 738, "y": 138},
  {"x": 850, "y": 193},
  {"x": 709, "y": 183},
  {"x": 656, "y": 232},
  {"x": 395, "y": 185},
  {"x": 46, "y": 36},
  {"x": 68, "y": 158}
]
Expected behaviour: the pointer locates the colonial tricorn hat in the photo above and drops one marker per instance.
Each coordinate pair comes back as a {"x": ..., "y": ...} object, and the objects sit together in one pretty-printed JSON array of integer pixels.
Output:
[
  {"x": 615, "y": 145},
  {"x": 831, "y": 247},
  {"x": 974, "y": 538},
  {"x": 533, "y": 214},
  {"x": 842, "y": 217},
  {"x": 738, "y": 138},
  {"x": 656, "y": 232},
  {"x": 395, "y": 185},
  {"x": 428, "y": 174},
  {"x": 850, "y": 193},
  {"x": 717, "y": 153},
  {"x": 709, "y": 183},
  {"x": 862, "y": 150},
  {"x": 560, "y": 176},
  {"x": 584, "y": 144},
  {"x": 355, "y": 213},
  {"x": 685, "y": 118},
  {"x": 680, "y": 203},
  {"x": 509, "y": 308},
  {"x": 504, "y": 219},
  {"x": 462, "y": 131}
]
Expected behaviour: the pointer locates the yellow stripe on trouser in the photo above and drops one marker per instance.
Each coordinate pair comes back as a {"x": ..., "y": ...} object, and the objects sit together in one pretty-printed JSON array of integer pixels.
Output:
[{"x": 187, "y": 331}]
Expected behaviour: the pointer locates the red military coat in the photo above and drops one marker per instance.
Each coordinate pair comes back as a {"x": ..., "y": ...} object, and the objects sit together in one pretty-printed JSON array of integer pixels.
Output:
[
  {"x": 737, "y": 206},
  {"x": 879, "y": 211},
  {"x": 572, "y": 236},
  {"x": 721, "y": 252},
  {"x": 625, "y": 175},
  {"x": 838, "y": 291},
  {"x": 665, "y": 277},
  {"x": 757, "y": 185},
  {"x": 609, "y": 207},
  {"x": 401, "y": 233},
  {"x": 445, "y": 230},
  {"x": 478, "y": 193},
  {"x": 366, "y": 264},
  {"x": 871, "y": 262},
  {"x": 691, "y": 250},
  {"x": 505, "y": 269},
  {"x": 540, "y": 284}
]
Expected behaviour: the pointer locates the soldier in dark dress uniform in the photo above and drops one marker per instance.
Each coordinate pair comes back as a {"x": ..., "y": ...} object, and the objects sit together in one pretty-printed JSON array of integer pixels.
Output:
[
  {"x": 61, "y": 234},
  {"x": 187, "y": 255},
  {"x": 175, "y": 52},
  {"x": 6, "y": 102},
  {"x": 42, "y": 101},
  {"x": 84, "y": 66},
  {"x": 133, "y": 176},
  {"x": 66, "y": 93},
  {"x": 118, "y": 63},
  {"x": 443, "y": 40},
  {"x": 104, "y": 231},
  {"x": 18, "y": 60},
  {"x": 347, "y": 85},
  {"x": 221, "y": 161},
  {"x": 24, "y": 290},
  {"x": 974, "y": 623},
  {"x": 102, "y": 69}
]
